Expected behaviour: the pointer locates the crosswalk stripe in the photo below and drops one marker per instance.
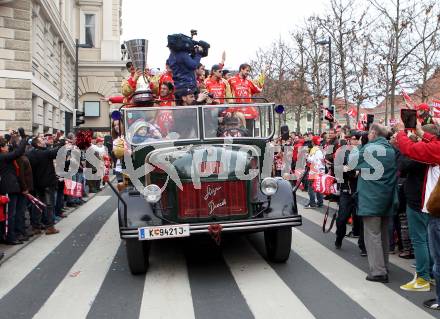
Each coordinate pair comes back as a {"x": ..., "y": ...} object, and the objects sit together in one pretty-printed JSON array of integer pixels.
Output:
[
  {"x": 379, "y": 300},
  {"x": 317, "y": 218},
  {"x": 85, "y": 277},
  {"x": 271, "y": 300},
  {"x": 167, "y": 291},
  {"x": 17, "y": 268}
]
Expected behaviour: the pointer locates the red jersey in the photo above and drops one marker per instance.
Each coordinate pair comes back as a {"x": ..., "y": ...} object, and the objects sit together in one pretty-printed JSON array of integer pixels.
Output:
[
  {"x": 167, "y": 100},
  {"x": 243, "y": 89},
  {"x": 217, "y": 88}
]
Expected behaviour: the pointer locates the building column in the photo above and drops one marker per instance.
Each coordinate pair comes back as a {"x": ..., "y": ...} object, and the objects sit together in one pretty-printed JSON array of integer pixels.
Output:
[{"x": 15, "y": 66}]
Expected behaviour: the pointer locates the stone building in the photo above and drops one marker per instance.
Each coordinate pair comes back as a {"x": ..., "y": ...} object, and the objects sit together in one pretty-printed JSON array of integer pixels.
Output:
[{"x": 37, "y": 62}]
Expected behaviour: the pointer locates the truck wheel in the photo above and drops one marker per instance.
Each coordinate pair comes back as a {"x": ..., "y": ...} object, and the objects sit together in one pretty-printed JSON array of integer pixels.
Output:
[
  {"x": 138, "y": 253},
  {"x": 278, "y": 243}
]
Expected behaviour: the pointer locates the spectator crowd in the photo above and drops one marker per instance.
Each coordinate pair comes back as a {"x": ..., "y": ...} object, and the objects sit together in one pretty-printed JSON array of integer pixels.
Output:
[
  {"x": 385, "y": 181},
  {"x": 34, "y": 195}
]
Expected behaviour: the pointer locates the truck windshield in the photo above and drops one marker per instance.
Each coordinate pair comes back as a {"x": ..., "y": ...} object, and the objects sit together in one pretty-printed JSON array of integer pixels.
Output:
[
  {"x": 160, "y": 124},
  {"x": 149, "y": 125},
  {"x": 238, "y": 121}
]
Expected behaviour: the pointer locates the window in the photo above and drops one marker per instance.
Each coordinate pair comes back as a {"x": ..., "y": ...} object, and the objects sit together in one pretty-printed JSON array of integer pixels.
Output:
[
  {"x": 89, "y": 28},
  {"x": 309, "y": 117},
  {"x": 91, "y": 108}
]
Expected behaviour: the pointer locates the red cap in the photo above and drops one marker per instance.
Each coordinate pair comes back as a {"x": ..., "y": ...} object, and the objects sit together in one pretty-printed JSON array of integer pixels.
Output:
[
  {"x": 423, "y": 107},
  {"x": 316, "y": 140}
]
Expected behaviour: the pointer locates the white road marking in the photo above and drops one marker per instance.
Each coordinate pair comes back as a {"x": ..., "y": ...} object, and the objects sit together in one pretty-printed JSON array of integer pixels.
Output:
[
  {"x": 75, "y": 294},
  {"x": 167, "y": 292},
  {"x": 317, "y": 218},
  {"x": 20, "y": 265},
  {"x": 264, "y": 291},
  {"x": 376, "y": 298}
]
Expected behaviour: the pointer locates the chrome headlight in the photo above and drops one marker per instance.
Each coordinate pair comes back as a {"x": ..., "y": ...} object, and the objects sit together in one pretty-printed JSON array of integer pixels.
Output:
[
  {"x": 152, "y": 193},
  {"x": 269, "y": 186}
]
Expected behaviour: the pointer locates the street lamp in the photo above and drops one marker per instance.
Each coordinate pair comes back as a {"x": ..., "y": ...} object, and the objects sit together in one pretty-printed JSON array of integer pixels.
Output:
[
  {"x": 77, "y": 46},
  {"x": 330, "y": 85}
]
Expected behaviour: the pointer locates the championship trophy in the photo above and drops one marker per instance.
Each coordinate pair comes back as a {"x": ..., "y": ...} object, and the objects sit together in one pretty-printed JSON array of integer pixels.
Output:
[{"x": 137, "y": 52}]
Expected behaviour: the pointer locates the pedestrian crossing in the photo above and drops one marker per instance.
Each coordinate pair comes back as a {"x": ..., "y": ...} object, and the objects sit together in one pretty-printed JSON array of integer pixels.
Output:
[{"x": 185, "y": 277}]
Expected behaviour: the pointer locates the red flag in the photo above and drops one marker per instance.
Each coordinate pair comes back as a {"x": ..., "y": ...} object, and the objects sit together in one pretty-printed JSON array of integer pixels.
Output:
[
  {"x": 328, "y": 115},
  {"x": 436, "y": 108},
  {"x": 352, "y": 113},
  {"x": 409, "y": 103}
]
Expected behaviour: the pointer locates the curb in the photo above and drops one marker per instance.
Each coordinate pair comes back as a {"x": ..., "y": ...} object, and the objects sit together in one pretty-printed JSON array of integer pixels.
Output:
[{"x": 10, "y": 251}]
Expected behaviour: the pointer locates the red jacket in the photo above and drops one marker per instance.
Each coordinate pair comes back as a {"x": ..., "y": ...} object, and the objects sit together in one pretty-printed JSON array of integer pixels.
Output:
[
  {"x": 423, "y": 152},
  {"x": 217, "y": 88},
  {"x": 428, "y": 152},
  {"x": 243, "y": 89}
]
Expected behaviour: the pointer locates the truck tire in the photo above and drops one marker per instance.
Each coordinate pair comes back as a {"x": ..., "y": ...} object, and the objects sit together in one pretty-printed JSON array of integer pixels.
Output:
[
  {"x": 278, "y": 243},
  {"x": 138, "y": 253}
]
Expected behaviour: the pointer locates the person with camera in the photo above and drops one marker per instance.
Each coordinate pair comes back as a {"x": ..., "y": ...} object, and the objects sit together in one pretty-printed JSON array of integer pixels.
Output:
[
  {"x": 347, "y": 198},
  {"x": 183, "y": 65},
  {"x": 9, "y": 183},
  {"x": 427, "y": 150},
  {"x": 45, "y": 182}
]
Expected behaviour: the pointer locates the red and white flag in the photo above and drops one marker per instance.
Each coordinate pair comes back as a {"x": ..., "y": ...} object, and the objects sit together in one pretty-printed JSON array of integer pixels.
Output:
[
  {"x": 409, "y": 103},
  {"x": 352, "y": 112},
  {"x": 436, "y": 108}
]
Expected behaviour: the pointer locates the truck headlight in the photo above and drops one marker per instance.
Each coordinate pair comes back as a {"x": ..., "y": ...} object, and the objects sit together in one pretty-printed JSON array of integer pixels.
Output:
[
  {"x": 269, "y": 186},
  {"x": 152, "y": 193}
]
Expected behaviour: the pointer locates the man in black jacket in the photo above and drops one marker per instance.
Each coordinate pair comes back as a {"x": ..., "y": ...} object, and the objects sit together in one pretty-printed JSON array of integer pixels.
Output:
[
  {"x": 45, "y": 180},
  {"x": 9, "y": 182}
]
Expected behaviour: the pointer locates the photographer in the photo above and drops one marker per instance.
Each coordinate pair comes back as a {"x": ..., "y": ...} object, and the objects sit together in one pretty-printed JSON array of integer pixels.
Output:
[
  {"x": 9, "y": 183},
  {"x": 183, "y": 65}
]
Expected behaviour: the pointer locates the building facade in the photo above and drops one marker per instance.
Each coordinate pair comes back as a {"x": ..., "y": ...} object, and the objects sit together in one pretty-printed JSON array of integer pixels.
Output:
[{"x": 38, "y": 57}]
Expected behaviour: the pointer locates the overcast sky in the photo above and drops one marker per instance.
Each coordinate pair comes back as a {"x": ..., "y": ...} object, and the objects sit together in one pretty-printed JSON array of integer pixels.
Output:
[{"x": 239, "y": 27}]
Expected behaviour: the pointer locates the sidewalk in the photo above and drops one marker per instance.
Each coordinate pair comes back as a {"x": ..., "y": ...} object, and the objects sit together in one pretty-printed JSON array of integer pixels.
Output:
[{"x": 12, "y": 250}]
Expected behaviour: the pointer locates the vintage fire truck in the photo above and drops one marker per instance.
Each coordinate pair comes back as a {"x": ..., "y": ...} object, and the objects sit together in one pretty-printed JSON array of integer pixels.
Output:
[{"x": 198, "y": 170}]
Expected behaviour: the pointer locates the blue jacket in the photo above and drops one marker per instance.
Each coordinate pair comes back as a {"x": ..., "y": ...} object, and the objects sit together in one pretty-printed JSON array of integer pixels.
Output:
[{"x": 183, "y": 66}]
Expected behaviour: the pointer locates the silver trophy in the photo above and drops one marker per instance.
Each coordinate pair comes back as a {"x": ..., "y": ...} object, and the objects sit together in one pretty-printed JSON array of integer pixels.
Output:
[{"x": 137, "y": 52}]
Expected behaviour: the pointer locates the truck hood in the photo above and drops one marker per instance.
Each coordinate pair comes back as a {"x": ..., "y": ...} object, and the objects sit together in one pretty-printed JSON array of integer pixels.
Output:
[{"x": 224, "y": 161}]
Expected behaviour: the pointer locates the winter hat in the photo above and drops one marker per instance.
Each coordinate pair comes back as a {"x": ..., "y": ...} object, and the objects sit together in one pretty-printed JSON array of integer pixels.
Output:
[
  {"x": 316, "y": 140},
  {"x": 423, "y": 107}
]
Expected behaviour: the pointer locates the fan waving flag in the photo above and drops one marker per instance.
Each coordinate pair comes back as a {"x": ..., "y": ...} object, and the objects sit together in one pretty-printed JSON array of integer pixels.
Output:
[{"x": 436, "y": 108}]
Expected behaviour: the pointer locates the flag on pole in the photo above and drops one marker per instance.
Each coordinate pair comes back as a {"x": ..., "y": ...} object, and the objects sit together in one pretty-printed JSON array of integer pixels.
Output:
[{"x": 352, "y": 112}]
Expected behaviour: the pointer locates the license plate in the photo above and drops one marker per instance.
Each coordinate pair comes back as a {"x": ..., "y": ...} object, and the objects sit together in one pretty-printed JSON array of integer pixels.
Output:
[
  {"x": 159, "y": 232},
  {"x": 211, "y": 167}
]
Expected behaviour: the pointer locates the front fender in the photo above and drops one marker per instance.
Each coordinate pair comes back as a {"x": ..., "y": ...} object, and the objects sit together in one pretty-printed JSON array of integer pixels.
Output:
[
  {"x": 139, "y": 212},
  {"x": 282, "y": 202}
]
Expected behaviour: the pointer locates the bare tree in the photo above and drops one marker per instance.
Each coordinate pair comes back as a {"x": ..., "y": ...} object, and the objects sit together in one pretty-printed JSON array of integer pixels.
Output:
[
  {"x": 428, "y": 53},
  {"x": 399, "y": 19},
  {"x": 342, "y": 24}
]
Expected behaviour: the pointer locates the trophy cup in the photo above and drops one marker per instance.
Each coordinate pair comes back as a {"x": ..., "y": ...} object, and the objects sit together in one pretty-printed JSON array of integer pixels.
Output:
[{"x": 137, "y": 52}]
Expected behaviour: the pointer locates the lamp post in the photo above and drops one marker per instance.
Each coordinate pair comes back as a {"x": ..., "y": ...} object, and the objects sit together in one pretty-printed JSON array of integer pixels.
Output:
[
  {"x": 77, "y": 46},
  {"x": 330, "y": 84}
]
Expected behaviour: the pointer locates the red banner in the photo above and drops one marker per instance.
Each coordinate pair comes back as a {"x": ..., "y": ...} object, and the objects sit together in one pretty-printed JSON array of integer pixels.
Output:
[{"x": 436, "y": 108}]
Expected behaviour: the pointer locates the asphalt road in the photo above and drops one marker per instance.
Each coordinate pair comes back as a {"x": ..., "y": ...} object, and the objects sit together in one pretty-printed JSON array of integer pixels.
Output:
[{"x": 82, "y": 273}]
